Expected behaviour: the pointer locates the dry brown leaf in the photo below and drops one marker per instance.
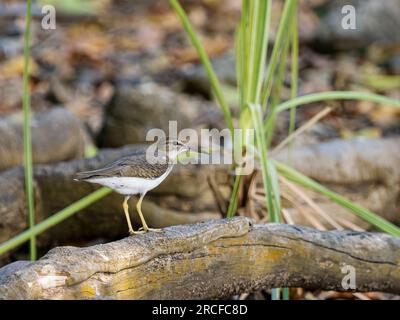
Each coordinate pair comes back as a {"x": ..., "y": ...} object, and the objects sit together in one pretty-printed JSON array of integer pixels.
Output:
[
  {"x": 15, "y": 67},
  {"x": 213, "y": 46}
]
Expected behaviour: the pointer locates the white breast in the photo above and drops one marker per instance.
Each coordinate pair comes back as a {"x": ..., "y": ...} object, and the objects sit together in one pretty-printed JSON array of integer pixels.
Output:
[{"x": 129, "y": 185}]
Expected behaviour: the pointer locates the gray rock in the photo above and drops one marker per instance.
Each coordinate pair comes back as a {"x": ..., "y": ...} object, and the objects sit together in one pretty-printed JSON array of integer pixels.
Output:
[
  {"x": 56, "y": 136},
  {"x": 196, "y": 79},
  {"x": 376, "y": 22},
  {"x": 136, "y": 109},
  {"x": 394, "y": 64}
]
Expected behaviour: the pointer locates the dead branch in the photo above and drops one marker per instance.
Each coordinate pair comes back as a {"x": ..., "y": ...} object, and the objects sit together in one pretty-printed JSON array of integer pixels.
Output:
[
  {"x": 215, "y": 259},
  {"x": 358, "y": 160}
]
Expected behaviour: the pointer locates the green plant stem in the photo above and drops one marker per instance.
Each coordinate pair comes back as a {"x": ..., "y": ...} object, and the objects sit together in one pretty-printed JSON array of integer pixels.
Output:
[
  {"x": 280, "y": 74},
  {"x": 27, "y": 132},
  {"x": 294, "y": 71},
  {"x": 53, "y": 220},
  {"x": 335, "y": 95},
  {"x": 215, "y": 85},
  {"x": 259, "y": 46},
  {"x": 271, "y": 197},
  {"x": 287, "y": 16},
  {"x": 277, "y": 90},
  {"x": 241, "y": 72},
  {"x": 332, "y": 95},
  {"x": 234, "y": 197},
  {"x": 363, "y": 213},
  {"x": 280, "y": 77}
]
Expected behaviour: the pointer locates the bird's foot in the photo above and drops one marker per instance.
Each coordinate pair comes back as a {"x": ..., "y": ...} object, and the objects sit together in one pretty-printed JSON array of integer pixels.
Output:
[
  {"x": 149, "y": 229},
  {"x": 132, "y": 232}
]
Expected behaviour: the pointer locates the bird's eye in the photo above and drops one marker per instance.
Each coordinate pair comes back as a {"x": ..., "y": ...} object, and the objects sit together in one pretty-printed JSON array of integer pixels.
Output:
[{"x": 176, "y": 143}]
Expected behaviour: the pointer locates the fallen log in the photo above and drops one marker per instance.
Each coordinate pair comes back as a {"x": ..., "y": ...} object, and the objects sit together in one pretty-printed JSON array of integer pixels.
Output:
[
  {"x": 215, "y": 259},
  {"x": 364, "y": 170},
  {"x": 347, "y": 162}
]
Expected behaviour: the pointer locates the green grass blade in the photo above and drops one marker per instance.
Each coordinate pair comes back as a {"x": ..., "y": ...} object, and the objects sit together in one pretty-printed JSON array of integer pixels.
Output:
[
  {"x": 215, "y": 84},
  {"x": 335, "y": 95},
  {"x": 234, "y": 197},
  {"x": 294, "y": 74},
  {"x": 276, "y": 193},
  {"x": 363, "y": 213},
  {"x": 332, "y": 95},
  {"x": 280, "y": 77},
  {"x": 54, "y": 220},
  {"x": 277, "y": 89},
  {"x": 270, "y": 197},
  {"x": 287, "y": 16},
  {"x": 262, "y": 18},
  {"x": 242, "y": 44},
  {"x": 240, "y": 65},
  {"x": 27, "y": 132},
  {"x": 252, "y": 45}
]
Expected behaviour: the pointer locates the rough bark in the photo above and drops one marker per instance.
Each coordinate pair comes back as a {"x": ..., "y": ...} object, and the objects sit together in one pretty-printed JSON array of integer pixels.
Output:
[
  {"x": 215, "y": 259},
  {"x": 60, "y": 124}
]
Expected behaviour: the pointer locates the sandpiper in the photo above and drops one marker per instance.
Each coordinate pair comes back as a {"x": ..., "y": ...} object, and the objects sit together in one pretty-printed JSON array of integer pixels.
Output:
[{"x": 137, "y": 174}]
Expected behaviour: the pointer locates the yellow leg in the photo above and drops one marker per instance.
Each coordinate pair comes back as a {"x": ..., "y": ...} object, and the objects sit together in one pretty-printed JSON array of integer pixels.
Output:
[
  {"x": 139, "y": 210},
  {"x": 128, "y": 219}
]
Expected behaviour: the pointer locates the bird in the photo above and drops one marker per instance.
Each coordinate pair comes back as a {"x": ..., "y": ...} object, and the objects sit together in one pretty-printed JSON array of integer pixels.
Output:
[{"x": 137, "y": 174}]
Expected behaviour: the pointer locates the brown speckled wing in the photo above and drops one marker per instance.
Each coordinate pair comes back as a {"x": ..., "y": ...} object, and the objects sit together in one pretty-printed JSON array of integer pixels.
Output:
[{"x": 130, "y": 166}]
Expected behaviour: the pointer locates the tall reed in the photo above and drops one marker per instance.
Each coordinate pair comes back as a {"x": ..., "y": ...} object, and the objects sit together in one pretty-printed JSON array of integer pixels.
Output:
[{"x": 27, "y": 132}]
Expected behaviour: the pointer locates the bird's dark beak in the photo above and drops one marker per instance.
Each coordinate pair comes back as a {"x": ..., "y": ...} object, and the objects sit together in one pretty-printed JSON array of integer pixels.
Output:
[{"x": 197, "y": 150}]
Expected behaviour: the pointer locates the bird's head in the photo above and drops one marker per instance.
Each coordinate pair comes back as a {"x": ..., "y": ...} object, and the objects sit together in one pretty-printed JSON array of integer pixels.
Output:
[{"x": 173, "y": 147}]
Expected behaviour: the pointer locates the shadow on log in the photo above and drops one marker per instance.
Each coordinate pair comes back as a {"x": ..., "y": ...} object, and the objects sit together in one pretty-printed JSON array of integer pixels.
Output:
[{"x": 215, "y": 259}]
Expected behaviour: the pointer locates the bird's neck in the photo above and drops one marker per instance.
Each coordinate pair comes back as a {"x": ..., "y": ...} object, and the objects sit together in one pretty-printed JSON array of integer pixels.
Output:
[{"x": 168, "y": 158}]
